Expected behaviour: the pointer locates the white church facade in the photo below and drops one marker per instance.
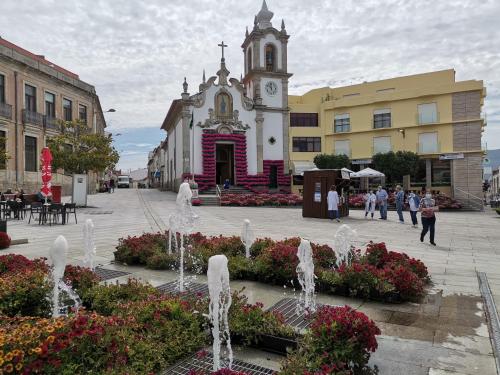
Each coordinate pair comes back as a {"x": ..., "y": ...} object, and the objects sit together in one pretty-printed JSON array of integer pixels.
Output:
[{"x": 235, "y": 129}]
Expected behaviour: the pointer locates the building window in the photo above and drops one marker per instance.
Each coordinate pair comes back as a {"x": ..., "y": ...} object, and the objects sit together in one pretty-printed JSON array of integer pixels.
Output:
[
  {"x": 343, "y": 148},
  {"x": 2, "y": 88},
  {"x": 342, "y": 123},
  {"x": 427, "y": 113},
  {"x": 50, "y": 105},
  {"x": 3, "y": 147},
  {"x": 381, "y": 145},
  {"x": 67, "y": 110},
  {"x": 30, "y": 154},
  {"x": 270, "y": 58},
  {"x": 249, "y": 60},
  {"x": 82, "y": 113},
  {"x": 428, "y": 143},
  {"x": 382, "y": 118},
  {"x": 304, "y": 119},
  {"x": 298, "y": 180},
  {"x": 441, "y": 172},
  {"x": 306, "y": 144},
  {"x": 30, "y": 98}
]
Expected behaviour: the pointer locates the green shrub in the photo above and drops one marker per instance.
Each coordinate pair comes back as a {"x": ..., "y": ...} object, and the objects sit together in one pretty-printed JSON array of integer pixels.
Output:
[
  {"x": 25, "y": 293},
  {"x": 259, "y": 245},
  {"x": 241, "y": 268},
  {"x": 163, "y": 261},
  {"x": 104, "y": 299},
  {"x": 137, "y": 249}
]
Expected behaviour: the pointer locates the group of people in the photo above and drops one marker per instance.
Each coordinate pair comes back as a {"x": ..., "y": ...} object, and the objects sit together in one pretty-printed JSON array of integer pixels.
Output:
[
  {"x": 425, "y": 204},
  {"x": 108, "y": 186}
]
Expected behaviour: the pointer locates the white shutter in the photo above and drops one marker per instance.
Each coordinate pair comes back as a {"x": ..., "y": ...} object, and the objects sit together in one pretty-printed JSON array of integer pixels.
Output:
[
  {"x": 343, "y": 148},
  {"x": 381, "y": 145},
  {"x": 428, "y": 143},
  {"x": 427, "y": 113}
]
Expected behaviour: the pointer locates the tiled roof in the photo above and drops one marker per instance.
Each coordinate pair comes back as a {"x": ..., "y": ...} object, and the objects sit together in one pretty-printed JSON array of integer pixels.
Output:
[{"x": 38, "y": 58}]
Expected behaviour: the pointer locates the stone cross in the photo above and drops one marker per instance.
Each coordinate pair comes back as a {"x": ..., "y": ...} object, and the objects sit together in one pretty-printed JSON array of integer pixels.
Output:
[{"x": 222, "y": 45}]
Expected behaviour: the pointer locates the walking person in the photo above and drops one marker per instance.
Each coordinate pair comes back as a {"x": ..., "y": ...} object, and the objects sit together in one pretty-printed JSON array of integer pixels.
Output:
[
  {"x": 373, "y": 203},
  {"x": 112, "y": 186},
  {"x": 382, "y": 198},
  {"x": 366, "y": 198},
  {"x": 414, "y": 203},
  {"x": 428, "y": 209},
  {"x": 400, "y": 201},
  {"x": 333, "y": 203}
]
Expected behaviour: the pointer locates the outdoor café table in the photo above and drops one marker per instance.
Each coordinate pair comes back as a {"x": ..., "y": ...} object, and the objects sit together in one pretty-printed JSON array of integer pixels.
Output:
[{"x": 45, "y": 212}]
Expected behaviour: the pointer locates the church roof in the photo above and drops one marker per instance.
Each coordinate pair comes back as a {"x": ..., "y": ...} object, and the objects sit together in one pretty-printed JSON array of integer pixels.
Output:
[{"x": 264, "y": 17}]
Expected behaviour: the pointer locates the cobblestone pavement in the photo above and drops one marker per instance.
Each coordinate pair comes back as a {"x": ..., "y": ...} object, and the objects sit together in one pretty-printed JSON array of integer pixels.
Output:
[{"x": 445, "y": 334}]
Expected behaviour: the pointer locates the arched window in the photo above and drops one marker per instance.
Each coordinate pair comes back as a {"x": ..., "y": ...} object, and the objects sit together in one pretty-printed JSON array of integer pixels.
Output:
[
  {"x": 270, "y": 58},
  {"x": 224, "y": 105},
  {"x": 249, "y": 60}
]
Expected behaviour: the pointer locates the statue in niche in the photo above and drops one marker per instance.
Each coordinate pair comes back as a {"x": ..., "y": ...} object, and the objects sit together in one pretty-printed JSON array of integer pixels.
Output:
[{"x": 224, "y": 105}]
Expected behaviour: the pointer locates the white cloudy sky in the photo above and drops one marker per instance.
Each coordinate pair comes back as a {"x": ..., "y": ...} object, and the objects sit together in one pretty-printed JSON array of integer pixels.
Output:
[{"x": 136, "y": 52}]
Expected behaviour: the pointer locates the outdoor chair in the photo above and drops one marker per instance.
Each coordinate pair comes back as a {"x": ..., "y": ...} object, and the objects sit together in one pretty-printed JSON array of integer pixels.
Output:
[
  {"x": 55, "y": 213},
  {"x": 70, "y": 209},
  {"x": 35, "y": 208}
]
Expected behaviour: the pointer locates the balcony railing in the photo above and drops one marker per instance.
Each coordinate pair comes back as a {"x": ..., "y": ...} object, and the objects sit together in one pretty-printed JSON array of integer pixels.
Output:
[
  {"x": 52, "y": 123},
  {"x": 33, "y": 118},
  {"x": 5, "y": 110},
  {"x": 428, "y": 148},
  {"x": 424, "y": 121}
]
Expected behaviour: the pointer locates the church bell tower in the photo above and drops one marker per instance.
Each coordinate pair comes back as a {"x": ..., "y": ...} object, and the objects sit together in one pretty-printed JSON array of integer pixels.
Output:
[{"x": 266, "y": 82}]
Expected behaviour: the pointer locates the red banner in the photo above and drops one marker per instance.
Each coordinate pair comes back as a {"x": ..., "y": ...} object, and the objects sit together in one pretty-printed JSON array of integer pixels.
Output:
[{"x": 46, "y": 171}]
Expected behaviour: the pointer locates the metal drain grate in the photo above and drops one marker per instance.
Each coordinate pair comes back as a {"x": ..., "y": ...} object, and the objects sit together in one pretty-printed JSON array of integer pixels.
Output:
[
  {"x": 287, "y": 307},
  {"x": 105, "y": 274},
  {"x": 206, "y": 363},
  {"x": 492, "y": 313},
  {"x": 98, "y": 212},
  {"x": 191, "y": 289}
]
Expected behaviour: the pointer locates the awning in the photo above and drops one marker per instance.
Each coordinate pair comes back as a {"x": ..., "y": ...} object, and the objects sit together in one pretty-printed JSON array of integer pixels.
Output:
[
  {"x": 300, "y": 166},
  {"x": 367, "y": 172}
]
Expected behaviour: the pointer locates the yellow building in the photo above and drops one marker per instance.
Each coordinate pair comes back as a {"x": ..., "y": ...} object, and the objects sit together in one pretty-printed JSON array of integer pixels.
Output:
[{"x": 430, "y": 114}]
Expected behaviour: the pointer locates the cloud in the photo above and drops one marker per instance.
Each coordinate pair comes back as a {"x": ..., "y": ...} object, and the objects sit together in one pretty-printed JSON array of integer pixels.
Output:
[{"x": 136, "y": 53}]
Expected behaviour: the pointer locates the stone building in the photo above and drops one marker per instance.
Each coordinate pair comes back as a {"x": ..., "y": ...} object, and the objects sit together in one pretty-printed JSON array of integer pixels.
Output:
[
  {"x": 35, "y": 95},
  {"x": 235, "y": 129}
]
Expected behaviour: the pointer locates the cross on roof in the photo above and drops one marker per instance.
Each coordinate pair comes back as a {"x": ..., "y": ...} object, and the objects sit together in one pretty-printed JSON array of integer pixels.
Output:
[{"x": 222, "y": 45}]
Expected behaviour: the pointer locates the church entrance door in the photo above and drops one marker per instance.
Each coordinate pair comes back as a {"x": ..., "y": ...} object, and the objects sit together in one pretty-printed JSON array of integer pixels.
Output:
[{"x": 224, "y": 168}]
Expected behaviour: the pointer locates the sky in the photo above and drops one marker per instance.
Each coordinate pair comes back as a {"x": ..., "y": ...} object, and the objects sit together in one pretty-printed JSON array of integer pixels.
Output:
[{"x": 137, "y": 53}]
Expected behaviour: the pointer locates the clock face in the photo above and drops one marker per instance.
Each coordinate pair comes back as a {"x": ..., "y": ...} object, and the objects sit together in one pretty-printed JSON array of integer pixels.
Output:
[{"x": 271, "y": 88}]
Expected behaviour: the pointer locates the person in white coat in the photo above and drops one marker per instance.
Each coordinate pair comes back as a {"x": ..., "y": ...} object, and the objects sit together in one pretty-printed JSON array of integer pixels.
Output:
[
  {"x": 373, "y": 202},
  {"x": 333, "y": 204},
  {"x": 366, "y": 198}
]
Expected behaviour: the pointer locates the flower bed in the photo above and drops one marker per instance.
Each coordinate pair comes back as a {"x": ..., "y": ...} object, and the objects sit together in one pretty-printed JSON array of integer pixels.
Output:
[
  {"x": 130, "y": 328},
  {"x": 261, "y": 199},
  {"x": 376, "y": 274}
]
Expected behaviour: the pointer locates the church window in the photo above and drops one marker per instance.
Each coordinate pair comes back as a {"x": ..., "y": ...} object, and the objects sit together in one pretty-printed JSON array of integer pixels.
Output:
[
  {"x": 270, "y": 58},
  {"x": 249, "y": 60},
  {"x": 224, "y": 105},
  {"x": 303, "y": 119}
]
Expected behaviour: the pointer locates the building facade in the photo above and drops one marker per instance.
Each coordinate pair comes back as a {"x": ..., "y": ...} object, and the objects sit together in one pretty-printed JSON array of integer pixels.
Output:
[
  {"x": 35, "y": 95},
  {"x": 235, "y": 129},
  {"x": 430, "y": 114}
]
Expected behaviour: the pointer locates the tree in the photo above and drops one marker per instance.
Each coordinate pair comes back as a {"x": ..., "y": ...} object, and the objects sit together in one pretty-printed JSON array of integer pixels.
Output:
[
  {"x": 325, "y": 161},
  {"x": 77, "y": 150},
  {"x": 396, "y": 165}
]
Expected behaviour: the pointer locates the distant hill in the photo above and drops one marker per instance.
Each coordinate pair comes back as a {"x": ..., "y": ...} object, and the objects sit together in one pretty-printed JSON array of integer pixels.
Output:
[{"x": 493, "y": 157}]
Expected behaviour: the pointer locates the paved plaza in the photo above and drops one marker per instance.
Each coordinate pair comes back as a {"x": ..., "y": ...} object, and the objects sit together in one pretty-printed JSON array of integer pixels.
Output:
[{"x": 445, "y": 334}]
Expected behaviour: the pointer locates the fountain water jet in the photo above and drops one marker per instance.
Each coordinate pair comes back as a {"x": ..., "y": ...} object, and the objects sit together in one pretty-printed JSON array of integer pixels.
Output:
[
  {"x": 90, "y": 249},
  {"x": 183, "y": 221},
  {"x": 342, "y": 244},
  {"x": 58, "y": 254},
  {"x": 247, "y": 237},
  {"x": 305, "y": 275},
  {"x": 220, "y": 302}
]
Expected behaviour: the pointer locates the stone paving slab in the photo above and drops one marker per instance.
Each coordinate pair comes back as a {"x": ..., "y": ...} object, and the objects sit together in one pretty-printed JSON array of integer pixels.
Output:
[{"x": 446, "y": 334}]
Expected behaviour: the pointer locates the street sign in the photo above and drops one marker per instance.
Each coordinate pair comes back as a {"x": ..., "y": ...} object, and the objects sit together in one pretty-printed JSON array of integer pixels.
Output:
[{"x": 451, "y": 156}]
